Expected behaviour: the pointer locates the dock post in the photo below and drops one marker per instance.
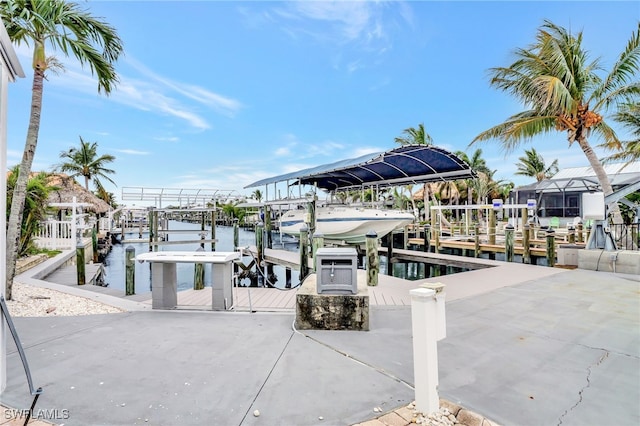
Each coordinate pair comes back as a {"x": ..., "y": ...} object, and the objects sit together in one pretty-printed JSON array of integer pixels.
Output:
[
  {"x": 287, "y": 277},
  {"x": 203, "y": 234},
  {"x": 551, "y": 247},
  {"x": 571, "y": 234},
  {"x": 94, "y": 243},
  {"x": 436, "y": 232},
  {"x": 259, "y": 244},
  {"x": 236, "y": 234},
  {"x": 373, "y": 262},
  {"x": 198, "y": 273},
  {"x": 476, "y": 248},
  {"x": 304, "y": 252},
  {"x": 491, "y": 232},
  {"x": 311, "y": 211},
  {"x": 213, "y": 230},
  {"x": 267, "y": 226},
  {"x": 389, "y": 238},
  {"x": 580, "y": 235},
  {"x": 526, "y": 244},
  {"x": 150, "y": 220},
  {"x": 405, "y": 235},
  {"x": 427, "y": 238},
  {"x": 130, "y": 271},
  {"x": 80, "y": 268},
  {"x": 508, "y": 243},
  {"x": 425, "y": 349},
  {"x": 525, "y": 217},
  {"x": 317, "y": 243}
]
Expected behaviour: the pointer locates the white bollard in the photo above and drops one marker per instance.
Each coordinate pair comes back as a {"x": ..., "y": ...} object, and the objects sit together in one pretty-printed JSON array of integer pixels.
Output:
[
  {"x": 441, "y": 318},
  {"x": 425, "y": 349}
]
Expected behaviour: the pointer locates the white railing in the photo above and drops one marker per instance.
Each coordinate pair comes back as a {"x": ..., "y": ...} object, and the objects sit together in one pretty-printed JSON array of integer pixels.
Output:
[{"x": 55, "y": 235}]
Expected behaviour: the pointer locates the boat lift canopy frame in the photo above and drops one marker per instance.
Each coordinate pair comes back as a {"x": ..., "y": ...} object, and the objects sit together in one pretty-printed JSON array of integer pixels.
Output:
[{"x": 409, "y": 164}]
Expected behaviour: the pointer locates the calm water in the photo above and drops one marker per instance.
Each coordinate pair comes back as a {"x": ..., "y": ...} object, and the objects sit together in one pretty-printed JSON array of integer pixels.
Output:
[{"x": 115, "y": 260}]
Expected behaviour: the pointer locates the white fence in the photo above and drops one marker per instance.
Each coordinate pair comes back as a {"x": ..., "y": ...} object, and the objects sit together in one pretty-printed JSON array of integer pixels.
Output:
[{"x": 55, "y": 235}]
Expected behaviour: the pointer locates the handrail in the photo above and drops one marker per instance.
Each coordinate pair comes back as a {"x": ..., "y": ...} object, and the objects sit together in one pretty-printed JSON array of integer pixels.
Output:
[{"x": 34, "y": 392}]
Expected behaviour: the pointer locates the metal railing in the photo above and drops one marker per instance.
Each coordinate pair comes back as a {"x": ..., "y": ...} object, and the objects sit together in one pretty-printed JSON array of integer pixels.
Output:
[
  {"x": 627, "y": 237},
  {"x": 34, "y": 392}
]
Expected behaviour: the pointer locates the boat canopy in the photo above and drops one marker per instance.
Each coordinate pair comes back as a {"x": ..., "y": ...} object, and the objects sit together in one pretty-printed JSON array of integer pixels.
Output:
[{"x": 409, "y": 164}]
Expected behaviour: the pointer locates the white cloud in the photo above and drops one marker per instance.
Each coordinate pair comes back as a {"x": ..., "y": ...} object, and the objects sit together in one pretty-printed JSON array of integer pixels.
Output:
[{"x": 132, "y": 151}]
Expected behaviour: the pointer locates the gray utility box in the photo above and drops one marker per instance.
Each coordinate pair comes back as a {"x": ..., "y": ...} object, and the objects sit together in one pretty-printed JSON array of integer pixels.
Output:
[{"x": 337, "y": 270}]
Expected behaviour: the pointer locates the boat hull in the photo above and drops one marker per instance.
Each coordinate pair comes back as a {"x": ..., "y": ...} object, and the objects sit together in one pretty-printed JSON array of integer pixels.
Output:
[{"x": 346, "y": 224}]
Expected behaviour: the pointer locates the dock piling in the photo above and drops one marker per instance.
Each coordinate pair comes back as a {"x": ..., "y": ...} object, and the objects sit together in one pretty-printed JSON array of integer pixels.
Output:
[
  {"x": 508, "y": 243},
  {"x": 130, "y": 271},
  {"x": 551, "y": 247},
  {"x": 304, "y": 252},
  {"x": 526, "y": 244},
  {"x": 373, "y": 262}
]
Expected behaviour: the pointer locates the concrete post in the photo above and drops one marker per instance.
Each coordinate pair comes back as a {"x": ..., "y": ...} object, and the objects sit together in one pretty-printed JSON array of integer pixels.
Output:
[
  {"x": 425, "y": 349},
  {"x": 373, "y": 262},
  {"x": 130, "y": 271},
  {"x": 526, "y": 245},
  {"x": 508, "y": 243},
  {"x": 551, "y": 247},
  {"x": 304, "y": 252}
]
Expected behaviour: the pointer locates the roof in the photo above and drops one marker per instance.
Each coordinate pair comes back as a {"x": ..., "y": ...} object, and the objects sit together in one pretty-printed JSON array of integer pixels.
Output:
[
  {"x": 409, "y": 164},
  {"x": 69, "y": 188},
  {"x": 581, "y": 179}
]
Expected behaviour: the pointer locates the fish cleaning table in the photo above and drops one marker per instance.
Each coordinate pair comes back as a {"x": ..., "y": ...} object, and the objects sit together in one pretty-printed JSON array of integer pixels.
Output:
[{"x": 164, "y": 280}]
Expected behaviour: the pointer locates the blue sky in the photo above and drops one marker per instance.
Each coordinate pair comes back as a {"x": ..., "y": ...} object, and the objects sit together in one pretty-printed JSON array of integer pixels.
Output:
[{"x": 217, "y": 95}]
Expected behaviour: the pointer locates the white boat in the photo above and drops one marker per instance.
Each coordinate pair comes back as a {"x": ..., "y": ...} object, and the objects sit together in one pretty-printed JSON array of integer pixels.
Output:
[{"x": 346, "y": 224}]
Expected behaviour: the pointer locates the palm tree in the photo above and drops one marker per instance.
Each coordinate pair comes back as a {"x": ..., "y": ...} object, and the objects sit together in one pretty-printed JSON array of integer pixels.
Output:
[
  {"x": 478, "y": 164},
  {"x": 563, "y": 92},
  {"x": 84, "y": 161},
  {"x": 413, "y": 136},
  {"x": 104, "y": 195},
  {"x": 629, "y": 116},
  {"x": 257, "y": 195},
  {"x": 63, "y": 25},
  {"x": 35, "y": 209},
  {"x": 533, "y": 165}
]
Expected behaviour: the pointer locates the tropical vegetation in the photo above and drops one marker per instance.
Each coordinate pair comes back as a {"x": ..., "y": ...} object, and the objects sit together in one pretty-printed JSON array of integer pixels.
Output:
[
  {"x": 562, "y": 90},
  {"x": 35, "y": 207},
  {"x": 69, "y": 28}
]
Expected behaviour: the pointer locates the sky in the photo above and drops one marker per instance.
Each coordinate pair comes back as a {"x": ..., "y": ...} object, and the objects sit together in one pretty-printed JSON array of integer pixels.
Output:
[{"x": 216, "y": 95}]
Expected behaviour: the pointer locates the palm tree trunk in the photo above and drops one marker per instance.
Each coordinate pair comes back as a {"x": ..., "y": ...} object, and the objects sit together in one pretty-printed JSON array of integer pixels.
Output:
[
  {"x": 598, "y": 169},
  {"x": 19, "y": 193}
]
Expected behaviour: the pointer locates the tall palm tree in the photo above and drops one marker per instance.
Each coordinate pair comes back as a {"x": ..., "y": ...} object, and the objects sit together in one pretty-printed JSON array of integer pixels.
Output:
[
  {"x": 104, "y": 195},
  {"x": 84, "y": 161},
  {"x": 413, "y": 136},
  {"x": 532, "y": 164},
  {"x": 562, "y": 90},
  {"x": 60, "y": 25},
  {"x": 257, "y": 195},
  {"x": 629, "y": 116}
]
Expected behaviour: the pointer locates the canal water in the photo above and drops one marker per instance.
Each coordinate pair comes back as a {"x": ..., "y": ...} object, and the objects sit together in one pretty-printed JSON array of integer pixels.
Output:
[{"x": 114, "y": 263}]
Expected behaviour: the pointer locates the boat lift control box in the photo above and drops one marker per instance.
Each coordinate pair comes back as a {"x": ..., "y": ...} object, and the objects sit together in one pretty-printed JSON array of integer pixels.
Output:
[{"x": 337, "y": 270}]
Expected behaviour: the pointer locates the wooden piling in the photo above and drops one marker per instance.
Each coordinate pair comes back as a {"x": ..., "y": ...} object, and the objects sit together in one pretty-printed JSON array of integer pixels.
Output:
[
  {"x": 213, "y": 230},
  {"x": 551, "y": 247},
  {"x": 476, "y": 232},
  {"x": 317, "y": 243},
  {"x": 80, "y": 268},
  {"x": 373, "y": 262},
  {"x": 580, "y": 230},
  {"x": 526, "y": 245},
  {"x": 304, "y": 252},
  {"x": 389, "y": 238},
  {"x": 287, "y": 278},
  {"x": 94, "y": 243},
  {"x": 236, "y": 234},
  {"x": 491, "y": 232},
  {"x": 198, "y": 275},
  {"x": 130, "y": 271},
  {"x": 426, "y": 246},
  {"x": 405, "y": 235},
  {"x": 524, "y": 212},
  {"x": 259, "y": 244},
  {"x": 436, "y": 232},
  {"x": 571, "y": 234},
  {"x": 267, "y": 226},
  {"x": 508, "y": 243}
]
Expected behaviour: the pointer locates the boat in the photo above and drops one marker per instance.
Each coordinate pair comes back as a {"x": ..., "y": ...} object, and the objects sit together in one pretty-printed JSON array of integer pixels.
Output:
[{"x": 346, "y": 224}]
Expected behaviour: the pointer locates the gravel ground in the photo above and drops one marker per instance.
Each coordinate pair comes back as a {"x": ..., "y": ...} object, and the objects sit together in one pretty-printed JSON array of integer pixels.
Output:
[{"x": 29, "y": 301}]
